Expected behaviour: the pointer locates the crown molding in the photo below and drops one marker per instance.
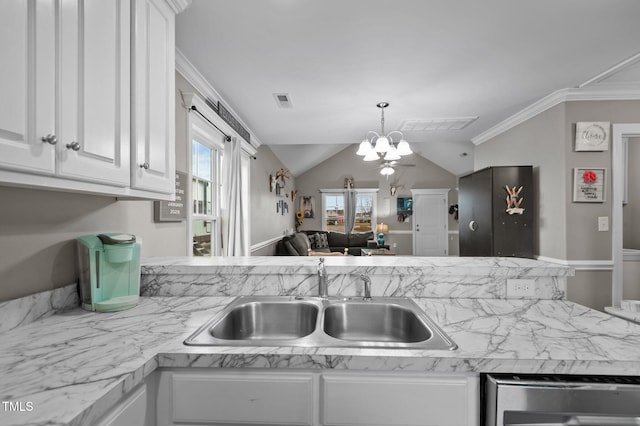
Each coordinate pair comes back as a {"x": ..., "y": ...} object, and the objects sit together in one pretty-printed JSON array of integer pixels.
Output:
[
  {"x": 178, "y": 5},
  {"x": 595, "y": 92},
  {"x": 197, "y": 80},
  {"x": 612, "y": 71}
]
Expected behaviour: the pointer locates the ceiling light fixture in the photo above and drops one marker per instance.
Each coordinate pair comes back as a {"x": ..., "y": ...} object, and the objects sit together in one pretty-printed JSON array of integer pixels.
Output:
[
  {"x": 376, "y": 146},
  {"x": 387, "y": 170}
]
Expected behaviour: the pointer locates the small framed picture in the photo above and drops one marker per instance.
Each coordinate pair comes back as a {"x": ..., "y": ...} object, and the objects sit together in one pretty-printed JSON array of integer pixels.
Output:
[
  {"x": 592, "y": 136},
  {"x": 589, "y": 184}
]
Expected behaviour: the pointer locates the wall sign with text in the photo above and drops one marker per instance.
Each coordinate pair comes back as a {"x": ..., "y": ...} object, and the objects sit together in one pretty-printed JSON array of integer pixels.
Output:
[
  {"x": 592, "y": 136},
  {"x": 589, "y": 185},
  {"x": 173, "y": 211}
]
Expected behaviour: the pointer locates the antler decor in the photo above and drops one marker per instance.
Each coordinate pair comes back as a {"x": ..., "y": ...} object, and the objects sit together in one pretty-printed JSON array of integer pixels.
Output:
[
  {"x": 282, "y": 174},
  {"x": 514, "y": 200}
]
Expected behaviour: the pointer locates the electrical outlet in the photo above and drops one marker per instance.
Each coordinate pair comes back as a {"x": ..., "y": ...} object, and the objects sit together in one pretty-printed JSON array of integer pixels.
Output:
[{"x": 521, "y": 288}]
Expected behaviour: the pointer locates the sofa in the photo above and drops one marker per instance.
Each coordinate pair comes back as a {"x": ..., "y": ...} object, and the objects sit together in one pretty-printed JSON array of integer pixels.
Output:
[{"x": 300, "y": 243}]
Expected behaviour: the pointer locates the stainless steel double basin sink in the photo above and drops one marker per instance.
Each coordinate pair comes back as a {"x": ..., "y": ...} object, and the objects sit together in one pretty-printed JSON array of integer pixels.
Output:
[{"x": 317, "y": 322}]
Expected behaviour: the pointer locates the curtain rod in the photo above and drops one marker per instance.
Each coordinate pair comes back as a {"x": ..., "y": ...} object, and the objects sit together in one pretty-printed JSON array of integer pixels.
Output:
[{"x": 227, "y": 138}]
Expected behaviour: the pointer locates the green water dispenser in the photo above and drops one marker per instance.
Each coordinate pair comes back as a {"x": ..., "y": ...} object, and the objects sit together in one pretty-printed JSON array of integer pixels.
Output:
[{"x": 109, "y": 272}]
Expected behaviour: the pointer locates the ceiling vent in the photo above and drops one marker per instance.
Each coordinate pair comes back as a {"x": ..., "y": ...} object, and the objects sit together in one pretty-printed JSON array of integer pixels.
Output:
[
  {"x": 283, "y": 100},
  {"x": 436, "y": 124}
]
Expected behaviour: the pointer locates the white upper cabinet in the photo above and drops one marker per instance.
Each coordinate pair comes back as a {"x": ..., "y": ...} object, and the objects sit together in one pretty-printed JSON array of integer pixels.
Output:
[
  {"x": 27, "y": 86},
  {"x": 94, "y": 75},
  {"x": 87, "y": 95},
  {"x": 152, "y": 126}
]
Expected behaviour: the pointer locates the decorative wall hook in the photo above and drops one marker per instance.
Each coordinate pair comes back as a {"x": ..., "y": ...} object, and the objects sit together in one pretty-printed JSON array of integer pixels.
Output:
[{"x": 393, "y": 188}]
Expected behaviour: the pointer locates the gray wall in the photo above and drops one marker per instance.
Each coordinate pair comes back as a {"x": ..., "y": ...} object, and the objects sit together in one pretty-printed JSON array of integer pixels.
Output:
[
  {"x": 567, "y": 230},
  {"x": 266, "y": 223},
  {"x": 536, "y": 142},
  {"x": 330, "y": 174}
]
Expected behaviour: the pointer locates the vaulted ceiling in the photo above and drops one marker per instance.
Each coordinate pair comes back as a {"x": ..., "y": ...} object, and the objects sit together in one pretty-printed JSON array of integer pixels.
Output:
[{"x": 336, "y": 59}]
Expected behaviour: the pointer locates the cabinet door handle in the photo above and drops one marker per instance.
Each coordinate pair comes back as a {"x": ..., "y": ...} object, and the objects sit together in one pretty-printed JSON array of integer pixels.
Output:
[
  {"x": 144, "y": 165},
  {"x": 75, "y": 146},
  {"x": 473, "y": 225},
  {"x": 50, "y": 139}
]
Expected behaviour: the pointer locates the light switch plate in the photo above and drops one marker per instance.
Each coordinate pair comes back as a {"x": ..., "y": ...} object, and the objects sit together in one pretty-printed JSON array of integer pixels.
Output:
[
  {"x": 517, "y": 288},
  {"x": 603, "y": 223}
]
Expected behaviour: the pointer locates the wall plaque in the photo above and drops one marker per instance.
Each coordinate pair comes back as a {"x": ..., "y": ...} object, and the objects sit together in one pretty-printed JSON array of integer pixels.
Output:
[
  {"x": 588, "y": 185},
  {"x": 592, "y": 136},
  {"x": 173, "y": 211}
]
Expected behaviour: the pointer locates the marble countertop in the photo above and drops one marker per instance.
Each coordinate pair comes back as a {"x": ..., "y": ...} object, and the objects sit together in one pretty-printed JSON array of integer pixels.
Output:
[
  {"x": 412, "y": 265},
  {"x": 623, "y": 313},
  {"x": 73, "y": 366}
]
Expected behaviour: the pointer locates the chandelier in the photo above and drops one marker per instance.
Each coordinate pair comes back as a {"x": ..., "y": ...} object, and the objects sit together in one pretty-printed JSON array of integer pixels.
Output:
[{"x": 376, "y": 146}]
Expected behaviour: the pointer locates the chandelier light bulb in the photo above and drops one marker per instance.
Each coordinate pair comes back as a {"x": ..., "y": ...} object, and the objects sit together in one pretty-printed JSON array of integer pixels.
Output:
[
  {"x": 382, "y": 144},
  {"x": 371, "y": 156},
  {"x": 386, "y": 171},
  {"x": 392, "y": 154},
  {"x": 364, "y": 148},
  {"x": 404, "y": 148}
]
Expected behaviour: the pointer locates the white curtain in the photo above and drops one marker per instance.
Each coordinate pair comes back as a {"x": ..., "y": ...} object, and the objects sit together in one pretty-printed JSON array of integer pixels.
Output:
[
  {"x": 350, "y": 204},
  {"x": 234, "y": 207}
]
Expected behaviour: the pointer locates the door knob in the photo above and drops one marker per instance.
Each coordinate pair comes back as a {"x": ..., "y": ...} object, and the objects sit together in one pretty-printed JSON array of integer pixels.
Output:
[
  {"x": 473, "y": 225},
  {"x": 144, "y": 165},
  {"x": 50, "y": 139},
  {"x": 75, "y": 146}
]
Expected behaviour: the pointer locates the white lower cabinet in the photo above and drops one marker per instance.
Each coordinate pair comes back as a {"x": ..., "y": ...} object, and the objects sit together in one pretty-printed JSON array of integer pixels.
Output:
[
  {"x": 377, "y": 399},
  {"x": 131, "y": 411},
  {"x": 282, "y": 397}
]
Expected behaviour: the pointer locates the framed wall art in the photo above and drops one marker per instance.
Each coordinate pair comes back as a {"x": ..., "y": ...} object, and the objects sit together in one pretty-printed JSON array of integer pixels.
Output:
[
  {"x": 308, "y": 206},
  {"x": 589, "y": 184}
]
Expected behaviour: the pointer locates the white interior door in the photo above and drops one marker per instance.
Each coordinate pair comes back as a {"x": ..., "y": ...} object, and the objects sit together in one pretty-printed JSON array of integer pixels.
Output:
[
  {"x": 619, "y": 132},
  {"x": 430, "y": 222}
]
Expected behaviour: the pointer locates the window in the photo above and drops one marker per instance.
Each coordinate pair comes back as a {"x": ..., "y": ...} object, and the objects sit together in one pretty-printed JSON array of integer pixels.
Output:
[
  {"x": 206, "y": 161},
  {"x": 364, "y": 213},
  {"x": 333, "y": 205},
  {"x": 333, "y": 211}
]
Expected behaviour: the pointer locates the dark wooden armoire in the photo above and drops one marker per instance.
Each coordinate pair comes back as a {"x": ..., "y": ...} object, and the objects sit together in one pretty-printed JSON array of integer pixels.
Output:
[{"x": 495, "y": 208}]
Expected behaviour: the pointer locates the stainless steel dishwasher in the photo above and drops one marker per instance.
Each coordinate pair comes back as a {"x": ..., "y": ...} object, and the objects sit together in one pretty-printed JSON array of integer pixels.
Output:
[{"x": 555, "y": 400}]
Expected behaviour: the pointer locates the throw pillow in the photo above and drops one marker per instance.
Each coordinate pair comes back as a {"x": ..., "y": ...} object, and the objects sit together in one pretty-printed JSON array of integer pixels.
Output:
[
  {"x": 359, "y": 239},
  {"x": 338, "y": 239},
  {"x": 312, "y": 240},
  {"x": 321, "y": 241},
  {"x": 300, "y": 244}
]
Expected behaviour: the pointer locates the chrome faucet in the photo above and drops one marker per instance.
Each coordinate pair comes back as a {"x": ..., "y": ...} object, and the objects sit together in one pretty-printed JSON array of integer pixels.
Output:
[
  {"x": 323, "y": 290},
  {"x": 367, "y": 287}
]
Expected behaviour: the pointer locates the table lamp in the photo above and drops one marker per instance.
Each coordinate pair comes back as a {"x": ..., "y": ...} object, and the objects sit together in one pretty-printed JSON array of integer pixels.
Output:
[{"x": 381, "y": 228}]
